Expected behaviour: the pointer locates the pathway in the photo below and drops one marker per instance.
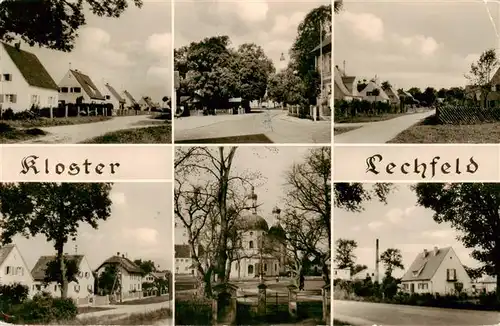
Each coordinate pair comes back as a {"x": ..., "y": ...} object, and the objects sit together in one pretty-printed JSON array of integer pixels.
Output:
[
  {"x": 120, "y": 310},
  {"x": 379, "y": 132}
]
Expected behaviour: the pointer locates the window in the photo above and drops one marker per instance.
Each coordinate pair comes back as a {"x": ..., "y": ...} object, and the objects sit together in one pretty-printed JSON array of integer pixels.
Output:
[
  {"x": 76, "y": 90},
  {"x": 250, "y": 244},
  {"x": 64, "y": 89},
  {"x": 265, "y": 267},
  {"x": 87, "y": 274},
  {"x": 19, "y": 271},
  {"x": 55, "y": 287},
  {"x": 451, "y": 274},
  {"x": 77, "y": 288},
  {"x": 108, "y": 97},
  {"x": 7, "y": 77},
  {"x": 276, "y": 267},
  {"x": 251, "y": 233},
  {"x": 250, "y": 269},
  {"x": 8, "y": 271},
  {"x": 80, "y": 274},
  {"x": 1, "y": 98},
  {"x": 11, "y": 98},
  {"x": 34, "y": 99},
  {"x": 38, "y": 287}
]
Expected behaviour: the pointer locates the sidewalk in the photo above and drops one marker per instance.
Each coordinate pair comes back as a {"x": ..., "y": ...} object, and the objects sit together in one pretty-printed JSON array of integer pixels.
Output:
[{"x": 198, "y": 121}]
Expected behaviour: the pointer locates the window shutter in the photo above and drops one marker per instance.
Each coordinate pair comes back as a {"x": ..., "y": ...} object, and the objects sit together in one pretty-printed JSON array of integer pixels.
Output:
[
  {"x": 14, "y": 98},
  {"x": 1, "y": 98}
]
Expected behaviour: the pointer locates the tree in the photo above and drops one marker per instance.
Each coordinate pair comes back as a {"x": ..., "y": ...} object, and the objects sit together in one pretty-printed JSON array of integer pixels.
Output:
[
  {"x": 53, "y": 271},
  {"x": 53, "y": 23},
  {"x": 392, "y": 259},
  {"x": 386, "y": 85},
  {"x": 358, "y": 268},
  {"x": 54, "y": 210},
  {"x": 344, "y": 253},
  {"x": 306, "y": 216},
  {"x": 479, "y": 75},
  {"x": 146, "y": 266},
  {"x": 337, "y": 6},
  {"x": 315, "y": 26},
  {"x": 352, "y": 196},
  {"x": 429, "y": 96},
  {"x": 209, "y": 197},
  {"x": 473, "y": 209},
  {"x": 108, "y": 281},
  {"x": 474, "y": 273}
]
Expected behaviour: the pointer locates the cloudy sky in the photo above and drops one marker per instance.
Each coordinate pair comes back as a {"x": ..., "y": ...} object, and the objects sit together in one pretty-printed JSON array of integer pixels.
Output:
[
  {"x": 399, "y": 224},
  {"x": 272, "y": 164},
  {"x": 271, "y": 24},
  {"x": 133, "y": 52},
  {"x": 140, "y": 225},
  {"x": 414, "y": 43}
]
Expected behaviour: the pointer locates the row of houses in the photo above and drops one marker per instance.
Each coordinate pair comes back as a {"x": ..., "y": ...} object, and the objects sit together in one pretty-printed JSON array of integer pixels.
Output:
[
  {"x": 25, "y": 83},
  {"x": 13, "y": 269},
  {"x": 432, "y": 271}
]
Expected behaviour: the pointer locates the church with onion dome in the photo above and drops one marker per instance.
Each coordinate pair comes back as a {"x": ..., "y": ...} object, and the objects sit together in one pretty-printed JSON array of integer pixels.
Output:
[{"x": 254, "y": 258}]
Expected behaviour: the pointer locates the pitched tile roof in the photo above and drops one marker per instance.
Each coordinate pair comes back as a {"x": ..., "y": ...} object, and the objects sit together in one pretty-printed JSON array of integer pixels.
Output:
[
  {"x": 424, "y": 268},
  {"x": 30, "y": 67},
  {"x": 149, "y": 102},
  {"x": 38, "y": 271},
  {"x": 115, "y": 93},
  {"x": 88, "y": 85},
  {"x": 126, "y": 263},
  {"x": 130, "y": 97},
  {"x": 5, "y": 251}
]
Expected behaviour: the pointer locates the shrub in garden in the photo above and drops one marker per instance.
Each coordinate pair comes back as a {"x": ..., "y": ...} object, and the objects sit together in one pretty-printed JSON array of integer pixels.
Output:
[
  {"x": 193, "y": 311},
  {"x": 14, "y": 293},
  {"x": 43, "y": 309},
  {"x": 8, "y": 114}
]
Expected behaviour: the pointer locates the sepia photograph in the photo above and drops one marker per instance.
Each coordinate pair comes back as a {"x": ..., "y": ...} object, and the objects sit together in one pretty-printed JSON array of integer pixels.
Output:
[
  {"x": 252, "y": 235},
  {"x": 417, "y": 72},
  {"x": 416, "y": 254},
  {"x": 86, "y": 254},
  {"x": 253, "y": 71},
  {"x": 85, "y": 71}
]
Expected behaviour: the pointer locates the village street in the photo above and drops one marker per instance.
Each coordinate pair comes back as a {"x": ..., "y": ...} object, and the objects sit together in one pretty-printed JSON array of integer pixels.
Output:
[
  {"x": 378, "y": 132},
  {"x": 72, "y": 134},
  {"x": 121, "y": 311},
  {"x": 389, "y": 314},
  {"x": 274, "y": 124}
]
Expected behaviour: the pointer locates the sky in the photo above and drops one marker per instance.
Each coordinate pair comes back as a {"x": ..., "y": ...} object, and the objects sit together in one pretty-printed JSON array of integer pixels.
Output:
[
  {"x": 414, "y": 43},
  {"x": 271, "y": 24},
  {"x": 133, "y": 52},
  {"x": 272, "y": 164},
  {"x": 399, "y": 224},
  {"x": 140, "y": 226}
]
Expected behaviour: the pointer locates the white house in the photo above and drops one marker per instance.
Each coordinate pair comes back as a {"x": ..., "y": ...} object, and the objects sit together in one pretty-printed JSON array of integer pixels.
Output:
[
  {"x": 130, "y": 101},
  {"x": 83, "y": 290},
  {"x": 485, "y": 284},
  {"x": 344, "y": 87},
  {"x": 75, "y": 85},
  {"x": 24, "y": 81},
  {"x": 342, "y": 274},
  {"x": 436, "y": 271},
  {"x": 393, "y": 96},
  {"x": 373, "y": 92},
  {"x": 129, "y": 273},
  {"x": 251, "y": 259},
  {"x": 13, "y": 268},
  {"x": 153, "y": 276},
  {"x": 184, "y": 264},
  {"x": 112, "y": 96},
  {"x": 364, "y": 274}
]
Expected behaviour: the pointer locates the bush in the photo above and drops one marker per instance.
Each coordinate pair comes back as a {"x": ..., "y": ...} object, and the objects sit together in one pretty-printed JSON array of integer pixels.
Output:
[
  {"x": 8, "y": 114},
  {"x": 44, "y": 309},
  {"x": 4, "y": 127},
  {"x": 14, "y": 293},
  {"x": 195, "y": 311}
]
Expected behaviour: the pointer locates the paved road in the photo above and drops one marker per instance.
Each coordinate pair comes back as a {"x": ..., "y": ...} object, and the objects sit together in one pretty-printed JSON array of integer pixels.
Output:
[
  {"x": 381, "y": 131},
  {"x": 364, "y": 314},
  {"x": 121, "y": 310},
  {"x": 275, "y": 124},
  {"x": 72, "y": 134}
]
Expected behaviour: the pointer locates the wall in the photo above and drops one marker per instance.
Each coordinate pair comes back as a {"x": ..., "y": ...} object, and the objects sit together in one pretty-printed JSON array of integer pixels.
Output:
[
  {"x": 343, "y": 274},
  {"x": 19, "y": 86},
  {"x": 440, "y": 285},
  {"x": 183, "y": 266}
]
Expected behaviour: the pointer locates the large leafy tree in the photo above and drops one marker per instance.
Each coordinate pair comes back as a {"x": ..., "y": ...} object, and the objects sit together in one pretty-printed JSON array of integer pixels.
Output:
[
  {"x": 146, "y": 266},
  {"x": 392, "y": 259},
  {"x": 344, "y": 253},
  {"x": 473, "y": 209},
  {"x": 53, "y": 23},
  {"x": 54, "y": 210},
  {"x": 481, "y": 71},
  {"x": 315, "y": 26},
  {"x": 352, "y": 196},
  {"x": 108, "y": 281},
  {"x": 53, "y": 271},
  {"x": 287, "y": 87}
]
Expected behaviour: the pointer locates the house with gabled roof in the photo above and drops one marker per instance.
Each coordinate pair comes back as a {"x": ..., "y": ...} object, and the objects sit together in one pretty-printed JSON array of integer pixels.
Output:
[
  {"x": 77, "y": 86},
  {"x": 344, "y": 88},
  {"x": 83, "y": 289},
  {"x": 437, "y": 271},
  {"x": 24, "y": 81},
  {"x": 130, "y": 274},
  {"x": 113, "y": 97},
  {"x": 184, "y": 263},
  {"x": 13, "y": 267},
  {"x": 130, "y": 101},
  {"x": 373, "y": 92}
]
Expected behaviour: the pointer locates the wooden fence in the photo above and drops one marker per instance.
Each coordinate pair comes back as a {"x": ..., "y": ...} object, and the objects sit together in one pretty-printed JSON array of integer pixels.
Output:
[{"x": 466, "y": 115}]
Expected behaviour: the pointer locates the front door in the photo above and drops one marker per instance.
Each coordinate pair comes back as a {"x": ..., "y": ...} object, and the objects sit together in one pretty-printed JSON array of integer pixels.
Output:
[{"x": 412, "y": 288}]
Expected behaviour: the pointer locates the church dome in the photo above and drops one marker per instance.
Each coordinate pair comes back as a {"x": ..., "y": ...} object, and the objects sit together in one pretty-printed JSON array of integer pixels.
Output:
[{"x": 253, "y": 222}]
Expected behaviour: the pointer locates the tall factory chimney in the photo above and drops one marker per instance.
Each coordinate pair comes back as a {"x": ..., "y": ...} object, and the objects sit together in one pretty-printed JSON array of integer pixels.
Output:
[{"x": 376, "y": 262}]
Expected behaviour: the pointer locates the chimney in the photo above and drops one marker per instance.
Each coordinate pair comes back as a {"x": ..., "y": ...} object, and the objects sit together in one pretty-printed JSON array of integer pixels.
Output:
[
  {"x": 425, "y": 253},
  {"x": 376, "y": 262},
  {"x": 436, "y": 250}
]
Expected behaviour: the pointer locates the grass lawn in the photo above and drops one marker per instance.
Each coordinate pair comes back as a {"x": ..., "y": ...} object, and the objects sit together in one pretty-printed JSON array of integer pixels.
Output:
[
  {"x": 149, "y": 318},
  {"x": 368, "y": 118},
  {"x": 338, "y": 131},
  {"x": 430, "y": 132},
  {"x": 149, "y": 135},
  {"x": 9, "y": 134},
  {"x": 146, "y": 301},
  {"x": 256, "y": 138},
  {"x": 83, "y": 310},
  {"x": 46, "y": 122}
]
